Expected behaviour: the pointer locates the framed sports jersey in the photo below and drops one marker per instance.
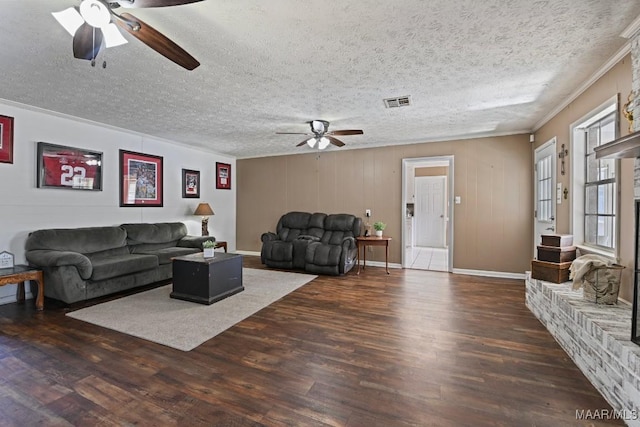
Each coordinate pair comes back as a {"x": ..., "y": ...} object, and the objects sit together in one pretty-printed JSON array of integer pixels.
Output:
[
  {"x": 6, "y": 139},
  {"x": 69, "y": 167},
  {"x": 223, "y": 176},
  {"x": 190, "y": 184},
  {"x": 140, "y": 179}
]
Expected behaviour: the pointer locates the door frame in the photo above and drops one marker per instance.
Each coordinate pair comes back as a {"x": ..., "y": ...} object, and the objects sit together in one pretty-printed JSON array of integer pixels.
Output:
[{"x": 430, "y": 162}]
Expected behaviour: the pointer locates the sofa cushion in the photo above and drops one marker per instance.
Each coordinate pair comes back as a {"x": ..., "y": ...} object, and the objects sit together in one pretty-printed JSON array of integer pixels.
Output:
[
  {"x": 279, "y": 251},
  {"x": 81, "y": 240},
  {"x": 154, "y": 233},
  {"x": 165, "y": 254},
  {"x": 339, "y": 226},
  {"x": 323, "y": 254},
  {"x": 120, "y": 265},
  {"x": 292, "y": 225},
  {"x": 146, "y": 248}
]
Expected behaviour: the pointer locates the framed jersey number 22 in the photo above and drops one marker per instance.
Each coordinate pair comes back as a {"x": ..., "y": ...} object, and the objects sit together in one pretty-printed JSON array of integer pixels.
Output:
[{"x": 68, "y": 167}]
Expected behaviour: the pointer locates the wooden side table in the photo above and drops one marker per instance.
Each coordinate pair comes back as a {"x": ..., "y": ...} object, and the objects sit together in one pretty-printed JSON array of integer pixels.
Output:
[
  {"x": 373, "y": 241},
  {"x": 221, "y": 244},
  {"x": 19, "y": 274}
]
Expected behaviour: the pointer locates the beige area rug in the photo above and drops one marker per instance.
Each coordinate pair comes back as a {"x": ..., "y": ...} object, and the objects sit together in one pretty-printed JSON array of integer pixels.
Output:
[{"x": 154, "y": 316}]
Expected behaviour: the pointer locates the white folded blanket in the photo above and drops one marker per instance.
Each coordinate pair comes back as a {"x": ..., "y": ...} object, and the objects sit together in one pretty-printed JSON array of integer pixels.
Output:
[{"x": 583, "y": 265}]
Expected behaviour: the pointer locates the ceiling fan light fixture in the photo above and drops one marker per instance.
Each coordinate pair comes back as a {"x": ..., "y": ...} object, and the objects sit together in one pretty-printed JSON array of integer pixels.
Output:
[
  {"x": 318, "y": 126},
  {"x": 323, "y": 143},
  {"x": 113, "y": 36},
  {"x": 311, "y": 142},
  {"x": 70, "y": 19},
  {"x": 95, "y": 13}
]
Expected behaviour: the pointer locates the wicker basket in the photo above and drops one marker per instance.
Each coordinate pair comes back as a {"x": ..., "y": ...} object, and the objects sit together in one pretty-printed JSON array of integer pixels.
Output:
[{"x": 602, "y": 285}]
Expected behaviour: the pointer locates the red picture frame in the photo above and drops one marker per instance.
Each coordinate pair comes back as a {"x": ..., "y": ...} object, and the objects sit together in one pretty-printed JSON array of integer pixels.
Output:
[
  {"x": 223, "y": 176},
  {"x": 141, "y": 179},
  {"x": 6, "y": 139},
  {"x": 190, "y": 184}
]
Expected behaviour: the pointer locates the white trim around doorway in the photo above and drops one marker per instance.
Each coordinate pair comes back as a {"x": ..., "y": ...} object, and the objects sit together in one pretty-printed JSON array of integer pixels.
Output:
[{"x": 434, "y": 161}]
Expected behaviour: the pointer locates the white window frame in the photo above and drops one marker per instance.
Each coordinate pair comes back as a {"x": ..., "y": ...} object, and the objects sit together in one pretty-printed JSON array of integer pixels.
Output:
[{"x": 578, "y": 155}]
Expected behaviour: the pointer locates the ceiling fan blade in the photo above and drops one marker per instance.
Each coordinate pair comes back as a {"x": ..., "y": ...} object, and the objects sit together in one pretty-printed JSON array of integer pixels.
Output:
[
  {"x": 87, "y": 42},
  {"x": 292, "y": 133},
  {"x": 156, "y": 41},
  {"x": 346, "y": 132},
  {"x": 334, "y": 141},
  {"x": 153, "y": 3},
  {"x": 302, "y": 143}
]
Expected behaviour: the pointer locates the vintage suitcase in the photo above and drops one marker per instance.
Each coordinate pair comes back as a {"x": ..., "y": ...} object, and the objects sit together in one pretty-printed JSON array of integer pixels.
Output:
[
  {"x": 558, "y": 240},
  {"x": 556, "y": 254},
  {"x": 550, "y": 271}
]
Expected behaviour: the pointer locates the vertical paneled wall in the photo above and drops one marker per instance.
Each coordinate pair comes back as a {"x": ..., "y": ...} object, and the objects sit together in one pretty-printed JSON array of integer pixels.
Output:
[{"x": 492, "y": 225}]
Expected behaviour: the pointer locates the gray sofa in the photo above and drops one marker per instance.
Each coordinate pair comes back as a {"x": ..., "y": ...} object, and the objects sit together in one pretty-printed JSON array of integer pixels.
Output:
[
  {"x": 85, "y": 263},
  {"x": 317, "y": 243}
]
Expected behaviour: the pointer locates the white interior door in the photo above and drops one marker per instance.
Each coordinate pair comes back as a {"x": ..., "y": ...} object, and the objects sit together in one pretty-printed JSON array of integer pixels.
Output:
[
  {"x": 430, "y": 211},
  {"x": 545, "y": 194}
]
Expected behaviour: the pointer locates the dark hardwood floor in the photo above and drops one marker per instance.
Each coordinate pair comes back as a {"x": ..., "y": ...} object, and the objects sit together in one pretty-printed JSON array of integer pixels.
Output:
[{"x": 413, "y": 348}]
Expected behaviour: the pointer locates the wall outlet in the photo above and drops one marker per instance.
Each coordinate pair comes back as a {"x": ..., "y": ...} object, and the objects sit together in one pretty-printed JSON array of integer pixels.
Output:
[{"x": 368, "y": 213}]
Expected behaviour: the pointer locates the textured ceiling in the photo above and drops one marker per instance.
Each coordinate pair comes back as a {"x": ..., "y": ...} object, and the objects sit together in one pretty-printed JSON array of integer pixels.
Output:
[{"x": 470, "y": 67}]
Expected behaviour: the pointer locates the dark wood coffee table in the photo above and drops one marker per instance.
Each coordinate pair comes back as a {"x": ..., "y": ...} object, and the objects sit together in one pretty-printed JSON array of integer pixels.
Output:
[{"x": 206, "y": 280}]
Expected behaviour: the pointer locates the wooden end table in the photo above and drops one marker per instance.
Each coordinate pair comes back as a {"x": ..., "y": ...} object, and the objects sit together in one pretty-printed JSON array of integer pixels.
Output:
[
  {"x": 372, "y": 241},
  {"x": 19, "y": 274},
  {"x": 221, "y": 244}
]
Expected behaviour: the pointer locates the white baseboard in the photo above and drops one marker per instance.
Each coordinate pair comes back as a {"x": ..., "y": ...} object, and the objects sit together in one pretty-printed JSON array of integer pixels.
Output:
[{"x": 487, "y": 273}]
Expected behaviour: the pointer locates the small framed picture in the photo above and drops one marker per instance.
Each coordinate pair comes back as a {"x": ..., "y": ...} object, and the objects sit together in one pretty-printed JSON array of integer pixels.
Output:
[
  {"x": 223, "y": 176},
  {"x": 140, "y": 179},
  {"x": 68, "y": 167},
  {"x": 190, "y": 184},
  {"x": 6, "y": 139}
]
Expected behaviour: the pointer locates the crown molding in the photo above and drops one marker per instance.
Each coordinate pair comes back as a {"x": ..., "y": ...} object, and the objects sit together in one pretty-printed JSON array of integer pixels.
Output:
[
  {"x": 632, "y": 29},
  {"x": 611, "y": 62}
]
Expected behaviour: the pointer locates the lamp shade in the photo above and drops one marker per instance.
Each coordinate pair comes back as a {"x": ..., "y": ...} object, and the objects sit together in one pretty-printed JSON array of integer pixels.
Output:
[{"x": 204, "y": 209}]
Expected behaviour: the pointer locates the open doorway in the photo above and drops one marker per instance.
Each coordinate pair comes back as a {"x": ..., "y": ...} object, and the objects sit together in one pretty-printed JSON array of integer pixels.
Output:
[{"x": 427, "y": 209}]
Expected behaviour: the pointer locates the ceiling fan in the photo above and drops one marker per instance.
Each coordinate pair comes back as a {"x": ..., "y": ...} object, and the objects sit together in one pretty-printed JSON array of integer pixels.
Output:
[
  {"x": 95, "y": 22},
  {"x": 322, "y": 136}
]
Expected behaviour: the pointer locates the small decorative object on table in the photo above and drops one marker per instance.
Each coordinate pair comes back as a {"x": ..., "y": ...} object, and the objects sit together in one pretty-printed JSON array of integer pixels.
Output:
[
  {"x": 379, "y": 226},
  {"x": 6, "y": 259},
  {"x": 208, "y": 248}
]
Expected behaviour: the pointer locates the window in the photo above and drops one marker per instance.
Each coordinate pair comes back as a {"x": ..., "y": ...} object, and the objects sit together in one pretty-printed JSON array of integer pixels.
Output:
[
  {"x": 600, "y": 187},
  {"x": 594, "y": 203},
  {"x": 545, "y": 190}
]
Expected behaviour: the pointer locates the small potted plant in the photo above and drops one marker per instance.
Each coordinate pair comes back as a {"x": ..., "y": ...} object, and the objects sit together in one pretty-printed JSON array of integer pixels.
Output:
[
  {"x": 208, "y": 247},
  {"x": 379, "y": 226}
]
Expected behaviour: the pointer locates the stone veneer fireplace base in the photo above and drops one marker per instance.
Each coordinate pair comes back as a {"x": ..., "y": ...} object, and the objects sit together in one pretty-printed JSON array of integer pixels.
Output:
[{"x": 597, "y": 338}]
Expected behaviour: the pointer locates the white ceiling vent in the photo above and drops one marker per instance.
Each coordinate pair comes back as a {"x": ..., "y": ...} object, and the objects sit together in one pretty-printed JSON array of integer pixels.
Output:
[{"x": 403, "y": 101}]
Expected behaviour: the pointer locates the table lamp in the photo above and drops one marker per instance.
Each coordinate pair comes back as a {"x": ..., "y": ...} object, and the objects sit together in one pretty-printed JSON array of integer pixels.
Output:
[{"x": 204, "y": 210}]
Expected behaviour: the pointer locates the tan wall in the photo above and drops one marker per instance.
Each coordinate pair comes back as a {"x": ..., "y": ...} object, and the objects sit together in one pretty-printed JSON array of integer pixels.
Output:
[
  {"x": 616, "y": 81},
  {"x": 432, "y": 171},
  {"x": 492, "y": 176}
]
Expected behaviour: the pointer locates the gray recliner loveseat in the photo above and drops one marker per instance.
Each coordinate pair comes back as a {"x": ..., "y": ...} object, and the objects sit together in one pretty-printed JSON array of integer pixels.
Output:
[
  {"x": 317, "y": 243},
  {"x": 85, "y": 263}
]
